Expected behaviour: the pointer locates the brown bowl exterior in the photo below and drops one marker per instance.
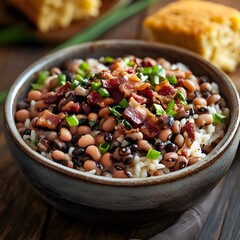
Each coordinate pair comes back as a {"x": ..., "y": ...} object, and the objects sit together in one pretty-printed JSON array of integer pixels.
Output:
[{"x": 121, "y": 201}]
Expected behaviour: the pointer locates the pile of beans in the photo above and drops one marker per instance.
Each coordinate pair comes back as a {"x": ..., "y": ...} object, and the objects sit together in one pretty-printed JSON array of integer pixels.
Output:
[{"x": 122, "y": 117}]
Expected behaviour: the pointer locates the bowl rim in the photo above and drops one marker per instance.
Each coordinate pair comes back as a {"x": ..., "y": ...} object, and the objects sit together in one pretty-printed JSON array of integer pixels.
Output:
[{"x": 131, "y": 182}]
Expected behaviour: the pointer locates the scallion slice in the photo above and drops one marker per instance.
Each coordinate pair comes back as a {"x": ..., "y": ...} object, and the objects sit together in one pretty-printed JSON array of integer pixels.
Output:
[
  {"x": 153, "y": 154},
  {"x": 147, "y": 70},
  {"x": 124, "y": 103},
  {"x": 172, "y": 80},
  {"x": 96, "y": 85},
  {"x": 42, "y": 76},
  {"x": 154, "y": 80},
  {"x": 72, "y": 120},
  {"x": 171, "y": 113},
  {"x": 108, "y": 59},
  {"x": 127, "y": 124},
  {"x": 156, "y": 69},
  {"x": 159, "y": 109},
  {"x": 62, "y": 79},
  {"x": 181, "y": 98},
  {"x": 103, "y": 92},
  {"x": 103, "y": 147},
  {"x": 115, "y": 112},
  {"x": 74, "y": 84},
  {"x": 170, "y": 106},
  {"x": 92, "y": 123},
  {"x": 84, "y": 66},
  {"x": 219, "y": 118}
]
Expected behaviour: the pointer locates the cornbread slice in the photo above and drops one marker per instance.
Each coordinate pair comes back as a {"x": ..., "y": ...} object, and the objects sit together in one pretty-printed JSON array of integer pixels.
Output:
[
  {"x": 209, "y": 29},
  {"x": 53, "y": 14}
]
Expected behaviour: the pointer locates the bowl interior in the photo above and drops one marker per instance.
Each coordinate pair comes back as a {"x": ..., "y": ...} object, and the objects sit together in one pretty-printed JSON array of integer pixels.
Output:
[{"x": 116, "y": 48}]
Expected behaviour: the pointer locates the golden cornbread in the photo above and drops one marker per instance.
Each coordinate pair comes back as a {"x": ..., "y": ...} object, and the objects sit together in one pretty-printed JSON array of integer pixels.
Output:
[
  {"x": 53, "y": 14},
  {"x": 209, "y": 29}
]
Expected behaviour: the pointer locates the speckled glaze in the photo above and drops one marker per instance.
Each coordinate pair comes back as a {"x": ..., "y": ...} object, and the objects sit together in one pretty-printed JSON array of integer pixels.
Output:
[{"x": 122, "y": 201}]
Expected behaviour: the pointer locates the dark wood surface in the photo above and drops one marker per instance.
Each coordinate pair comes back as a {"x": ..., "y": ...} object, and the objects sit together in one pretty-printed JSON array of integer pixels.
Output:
[{"x": 23, "y": 215}]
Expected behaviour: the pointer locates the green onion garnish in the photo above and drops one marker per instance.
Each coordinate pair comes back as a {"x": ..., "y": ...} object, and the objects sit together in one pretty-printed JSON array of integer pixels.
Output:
[
  {"x": 156, "y": 69},
  {"x": 219, "y": 118},
  {"x": 141, "y": 76},
  {"x": 115, "y": 112},
  {"x": 103, "y": 92},
  {"x": 172, "y": 80},
  {"x": 108, "y": 59},
  {"x": 159, "y": 109},
  {"x": 72, "y": 120},
  {"x": 126, "y": 124},
  {"x": 42, "y": 76},
  {"x": 181, "y": 98},
  {"x": 96, "y": 85},
  {"x": 84, "y": 66},
  {"x": 147, "y": 70},
  {"x": 170, "y": 106},
  {"x": 78, "y": 77},
  {"x": 153, "y": 154},
  {"x": 154, "y": 80},
  {"x": 92, "y": 123},
  {"x": 74, "y": 84},
  {"x": 62, "y": 79},
  {"x": 171, "y": 113},
  {"x": 81, "y": 73},
  {"x": 124, "y": 103},
  {"x": 162, "y": 73},
  {"x": 103, "y": 147}
]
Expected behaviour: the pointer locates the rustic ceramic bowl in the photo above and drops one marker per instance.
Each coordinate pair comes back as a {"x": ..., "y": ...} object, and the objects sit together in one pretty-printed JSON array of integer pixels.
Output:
[{"x": 131, "y": 201}]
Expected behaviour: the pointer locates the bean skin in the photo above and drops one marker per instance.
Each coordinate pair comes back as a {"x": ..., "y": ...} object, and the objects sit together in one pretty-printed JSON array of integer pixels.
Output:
[
  {"x": 99, "y": 139},
  {"x": 104, "y": 112},
  {"x": 132, "y": 137},
  {"x": 170, "y": 159},
  {"x": 144, "y": 145},
  {"x": 93, "y": 116},
  {"x": 204, "y": 119},
  {"x": 94, "y": 152},
  {"x": 213, "y": 99},
  {"x": 200, "y": 101},
  {"x": 189, "y": 85},
  {"x": 179, "y": 140},
  {"x": 191, "y": 161},
  {"x": 106, "y": 160},
  {"x": 109, "y": 124},
  {"x": 165, "y": 135},
  {"x": 206, "y": 86},
  {"x": 119, "y": 174},
  {"x": 65, "y": 135},
  {"x": 84, "y": 130},
  {"x": 86, "y": 140},
  {"x": 91, "y": 165},
  {"x": 176, "y": 127},
  {"x": 159, "y": 172},
  {"x": 22, "y": 115},
  {"x": 34, "y": 95},
  {"x": 58, "y": 155},
  {"x": 181, "y": 163}
]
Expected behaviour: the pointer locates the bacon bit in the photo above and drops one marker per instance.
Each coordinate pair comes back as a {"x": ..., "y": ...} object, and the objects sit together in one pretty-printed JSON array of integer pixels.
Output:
[
  {"x": 137, "y": 117},
  {"x": 177, "y": 73},
  {"x": 163, "y": 121},
  {"x": 106, "y": 74},
  {"x": 150, "y": 129},
  {"x": 71, "y": 107},
  {"x": 131, "y": 70},
  {"x": 161, "y": 84},
  {"x": 85, "y": 108},
  {"x": 185, "y": 152},
  {"x": 47, "y": 98},
  {"x": 167, "y": 90},
  {"x": 113, "y": 83},
  {"x": 138, "y": 98},
  {"x": 147, "y": 93},
  {"x": 94, "y": 98},
  {"x": 140, "y": 86},
  {"x": 190, "y": 129},
  {"x": 106, "y": 102},
  {"x": 48, "y": 120},
  {"x": 117, "y": 97}
]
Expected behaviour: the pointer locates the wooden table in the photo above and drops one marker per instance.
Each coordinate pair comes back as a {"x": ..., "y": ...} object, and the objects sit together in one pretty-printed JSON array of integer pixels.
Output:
[{"x": 23, "y": 215}]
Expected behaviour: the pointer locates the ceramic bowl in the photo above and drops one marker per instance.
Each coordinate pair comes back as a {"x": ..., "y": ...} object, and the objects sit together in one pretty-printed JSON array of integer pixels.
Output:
[{"x": 131, "y": 201}]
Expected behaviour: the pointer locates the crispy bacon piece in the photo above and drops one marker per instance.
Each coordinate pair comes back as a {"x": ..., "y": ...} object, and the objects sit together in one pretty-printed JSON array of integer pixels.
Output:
[
  {"x": 140, "y": 99},
  {"x": 71, "y": 107},
  {"x": 190, "y": 129},
  {"x": 117, "y": 97},
  {"x": 147, "y": 93},
  {"x": 133, "y": 86},
  {"x": 167, "y": 90},
  {"x": 137, "y": 117},
  {"x": 150, "y": 129},
  {"x": 52, "y": 98},
  {"x": 48, "y": 120},
  {"x": 94, "y": 98},
  {"x": 113, "y": 83}
]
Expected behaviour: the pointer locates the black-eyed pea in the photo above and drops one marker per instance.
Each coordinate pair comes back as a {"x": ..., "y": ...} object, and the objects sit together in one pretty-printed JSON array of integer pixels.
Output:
[
  {"x": 41, "y": 105},
  {"x": 55, "y": 70},
  {"x": 144, "y": 145},
  {"x": 169, "y": 159},
  {"x": 119, "y": 174},
  {"x": 84, "y": 130},
  {"x": 34, "y": 95},
  {"x": 181, "y": 163},
  {"x": 206, "y": 86},
  {"x": 90, "y": 165},
  {"x": 86, "y": 140},
  {"x": 182, "y": 90},
  {"x": 104, "y": 112},
  {"x": 176, "y": 127},
  {"x": 133, "y": 137},
  {"x": 109, "y": 124},
  {"x": 70, "y": 164},
  {"x": 94, "y": 152},
  {"x": 159, "y": 172},
  {"x": 191, "y": 161},
  {"x": 92, "y": 116},
  {"x": 106, "y": 160},
  {"x": 73, "y": 130},
  {"x": 99, "y": 139},
  {"x": 179, "y": 140},
  {"x": 189, "y": 85},
  {"x": 58, "y": 155},
  {"x": 65, "y": 135},
  {"x": 117, "y": 134},
  {"x": 200, "y": 101},
  {"x": 213, "y": 99},
  {"x": 22, "y": 115},
  {"x": 165, "y": 134},
  {"x": 204, "y": 119}
]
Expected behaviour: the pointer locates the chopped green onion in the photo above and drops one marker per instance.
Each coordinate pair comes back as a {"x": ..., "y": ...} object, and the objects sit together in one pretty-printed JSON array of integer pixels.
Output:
[
  {"x": 103, "y": 147},
  {"x": 156, "y": 69},
  {"x": 124, "y": 103},
  {"x": 81, "y": 72},
  {"x": 127, "y": 124},
  {"x": 33, "y": 142},
  {"x": 78, "y": 77},
  {"x": 74, "y": 84},
  {"x": 170, "y": 106},
  {"x": 72, "y": 120},
  {"x": 219, "y": 118},
  {"x": 141, "y": 76},
  {"x": 36, "y": 86},
  {"x": 147, "y": 70},
  {"x": 42, "y": 77},
  {"x": 153, "y": 154},
  {"x": 92, "y": 123},
  {"x": 129, "y": 62},
  {"x": 172, "y": 80},
  {"x": 181, "y": 98},
  {"x": 103, "y": 92},
  {"x": 84, "y": 66},
  {"x": 171, "y": 113},
  {"x": 115, "y": 112},
  {"x": 108, "y": 59},
  {"x": 154, "y": 80},
  {"x": 96, "y": 85},
  {"x": 62, "y": 79},
  {"x": 162, "y": 73},
  {"x": 159, "y": 109}
]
